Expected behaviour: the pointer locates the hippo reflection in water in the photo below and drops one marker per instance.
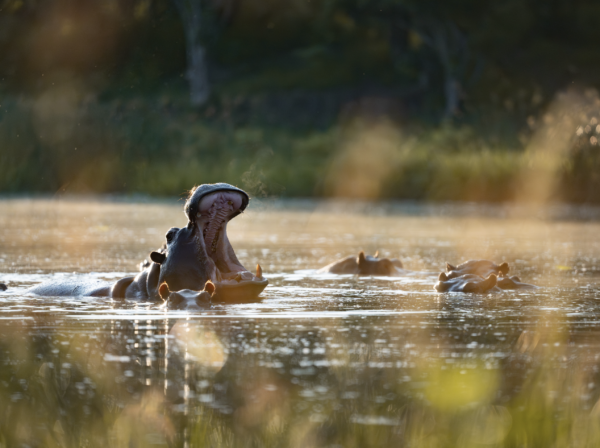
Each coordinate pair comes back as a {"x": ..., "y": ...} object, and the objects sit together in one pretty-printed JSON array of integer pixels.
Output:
[
  {"x": 478, "y": 276},
  {"x": 192, "y": 255}
]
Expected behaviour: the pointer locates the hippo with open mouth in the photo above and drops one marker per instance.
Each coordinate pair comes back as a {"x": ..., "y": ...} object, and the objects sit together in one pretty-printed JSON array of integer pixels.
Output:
[
  {"x": 203, "y": 250},
  {"x": 192, "y": 255}
]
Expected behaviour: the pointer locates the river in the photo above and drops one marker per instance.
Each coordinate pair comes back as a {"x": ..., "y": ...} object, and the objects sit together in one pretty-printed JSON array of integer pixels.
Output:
[{"x": 322, "y": 360}]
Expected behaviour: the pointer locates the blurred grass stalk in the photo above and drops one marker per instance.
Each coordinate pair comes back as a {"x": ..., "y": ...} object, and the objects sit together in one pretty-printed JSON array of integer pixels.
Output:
[
  {"x": 64, "y": 141},
  {"x": 59, "y": 390}
]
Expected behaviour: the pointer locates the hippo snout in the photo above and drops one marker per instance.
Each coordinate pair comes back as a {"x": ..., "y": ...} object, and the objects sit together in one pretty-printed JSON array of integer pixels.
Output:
[{"x": 465, "y": 283}]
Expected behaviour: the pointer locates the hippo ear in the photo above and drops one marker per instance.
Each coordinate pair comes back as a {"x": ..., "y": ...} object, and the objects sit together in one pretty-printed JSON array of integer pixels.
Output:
[
  {"x": 504, "y": 268},
  {"x": 449, "y": 267},
  {"x": 163, "y": 291},
  {"x": 210, "y": 287},
  {"x": 376, "y": 254},
  {"x": 361, "y": 257},
  {"x": 158, "y": 257},
  {"x": 443, "y": 277},
  {"x": 491, "y": 280}
]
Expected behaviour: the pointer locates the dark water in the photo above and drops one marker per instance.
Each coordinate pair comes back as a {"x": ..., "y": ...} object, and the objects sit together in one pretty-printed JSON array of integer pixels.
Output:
[{"x": 322, "y": 360}]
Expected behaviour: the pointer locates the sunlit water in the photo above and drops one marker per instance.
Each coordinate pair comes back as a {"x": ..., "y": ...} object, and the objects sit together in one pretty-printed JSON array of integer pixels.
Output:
[{"x": 323, "y": 360}]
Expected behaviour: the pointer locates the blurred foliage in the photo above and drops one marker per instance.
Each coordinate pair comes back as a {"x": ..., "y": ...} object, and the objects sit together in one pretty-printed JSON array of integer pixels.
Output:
[
  {"x": 128, "y": 383},
  {"x": 161, "y": 147},
  {"x": 93, "y": 97}
]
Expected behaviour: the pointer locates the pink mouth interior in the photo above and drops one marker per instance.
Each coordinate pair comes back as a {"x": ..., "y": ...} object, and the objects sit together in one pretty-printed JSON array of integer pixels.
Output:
[{"x": 214, "y": 211}]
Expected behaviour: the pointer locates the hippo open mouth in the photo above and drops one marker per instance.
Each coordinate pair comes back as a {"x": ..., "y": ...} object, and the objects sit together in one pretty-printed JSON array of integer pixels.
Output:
[{"x": 210, "y": 207}]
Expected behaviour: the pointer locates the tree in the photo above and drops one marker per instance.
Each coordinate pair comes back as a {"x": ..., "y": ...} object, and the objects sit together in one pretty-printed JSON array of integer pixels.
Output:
[
  {"x": 201, "y": 19},
  {"x": 434, "y": 23},
  {"x": 451, "y": 48},
  {"x": 197, "y": 67}
]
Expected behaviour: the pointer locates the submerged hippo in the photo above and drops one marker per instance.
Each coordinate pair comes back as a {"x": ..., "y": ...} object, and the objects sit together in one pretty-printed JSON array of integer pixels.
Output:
[
  {"x": 186, "y": 299},
  {"x": 365, "y": 265},
  {"x": 483, "y": 268},
  {"x": 192, "y": 255},
  {"x": 514, "y": 282},
  {"x": 478, "y": 276},
  {"x": 3, "y": 287},
  {"x": 465, "y": 283}
]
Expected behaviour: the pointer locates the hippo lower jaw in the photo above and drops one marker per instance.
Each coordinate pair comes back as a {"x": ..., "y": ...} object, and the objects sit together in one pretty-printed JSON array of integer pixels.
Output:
[{"x": 234, "y": 282}]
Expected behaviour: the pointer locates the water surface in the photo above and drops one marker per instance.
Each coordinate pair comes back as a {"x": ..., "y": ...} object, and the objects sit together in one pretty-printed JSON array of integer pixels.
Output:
[{"x": 323, "y": 360}]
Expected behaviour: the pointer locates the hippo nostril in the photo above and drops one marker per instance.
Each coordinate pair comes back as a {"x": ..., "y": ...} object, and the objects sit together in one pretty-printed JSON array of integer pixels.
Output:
[
  {"x": 175, "y": 299},
  {"x": 471, "y": 287},
  {"x": 203, "y": 300}
]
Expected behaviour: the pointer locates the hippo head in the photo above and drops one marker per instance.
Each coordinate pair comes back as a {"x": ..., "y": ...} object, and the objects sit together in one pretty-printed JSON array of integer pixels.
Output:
[
  {"x": 465, "y": 283},
  {"x": 368, "y": 265},
  {"x": 186, "y": 299},
  {"x": 514, "y": 282},
  {"x": 201, "y": 251},
  {"x": 483, "y": 268}
]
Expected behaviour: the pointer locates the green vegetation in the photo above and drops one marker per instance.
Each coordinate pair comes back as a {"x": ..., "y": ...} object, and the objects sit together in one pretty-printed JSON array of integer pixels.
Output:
[
  {"x": 163, "y": 147},
  {"x": 94, "y": 99}
]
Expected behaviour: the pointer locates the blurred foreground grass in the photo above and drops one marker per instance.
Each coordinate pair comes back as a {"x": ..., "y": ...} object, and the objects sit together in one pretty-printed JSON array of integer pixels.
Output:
[
  {"x": 97, "y": 388},
  {"x": 65, "y": 142}
]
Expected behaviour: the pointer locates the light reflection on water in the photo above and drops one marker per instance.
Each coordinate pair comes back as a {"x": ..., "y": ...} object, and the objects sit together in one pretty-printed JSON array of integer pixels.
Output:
[{"x": 324, "y": 360}]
